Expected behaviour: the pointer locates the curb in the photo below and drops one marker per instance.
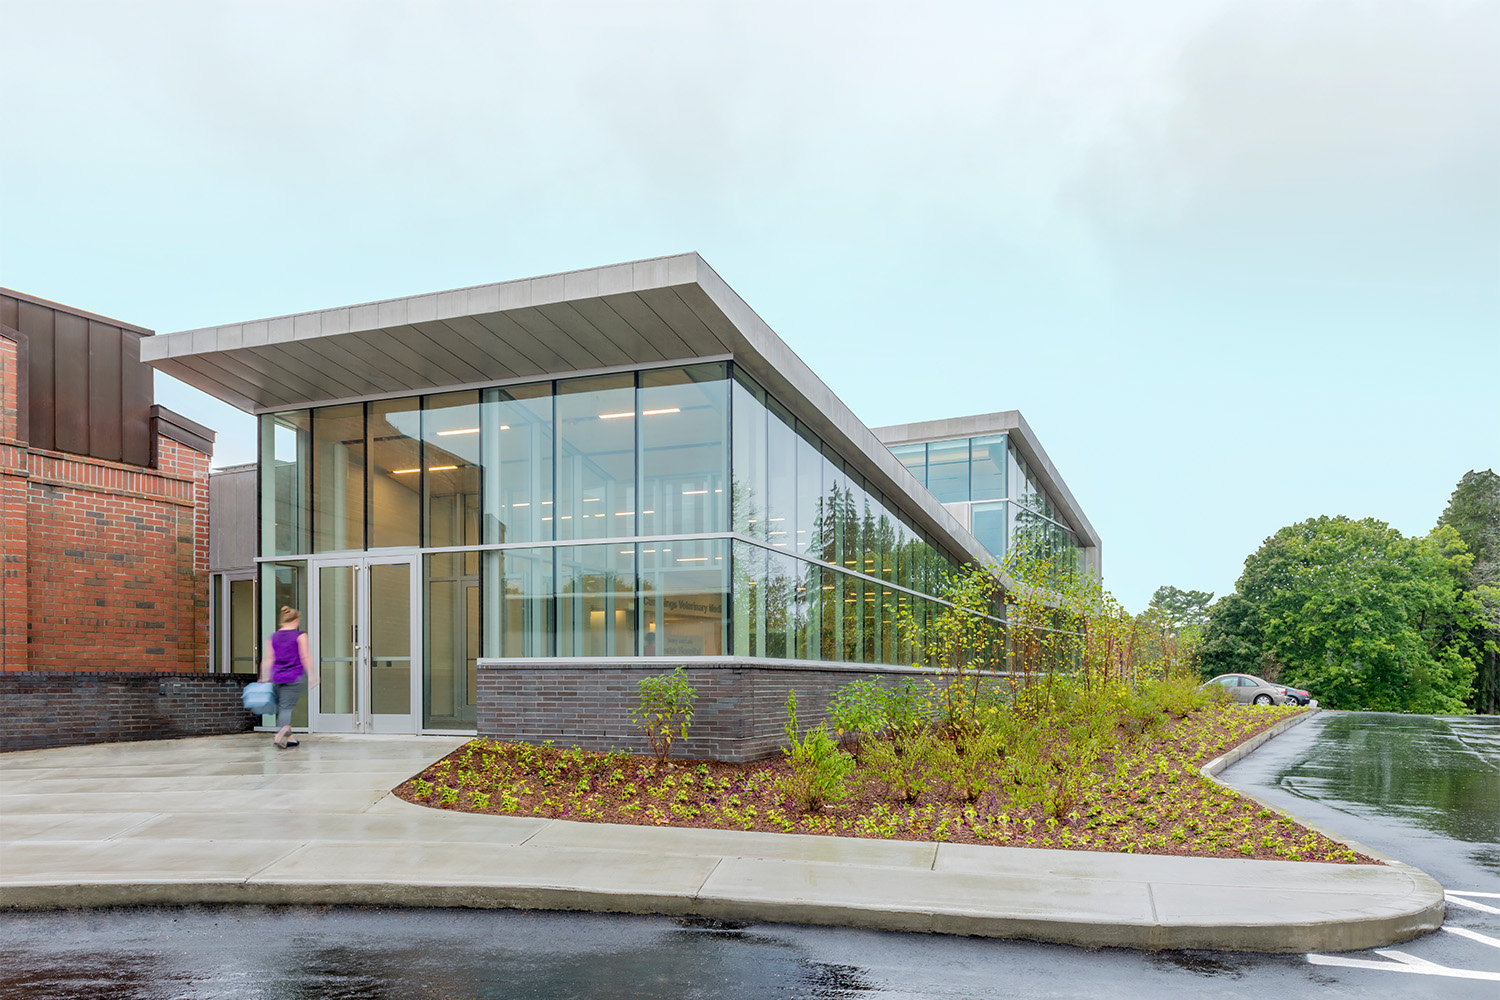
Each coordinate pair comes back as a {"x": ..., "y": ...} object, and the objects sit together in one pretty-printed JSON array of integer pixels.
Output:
[{"x": 1429, "y": 900}]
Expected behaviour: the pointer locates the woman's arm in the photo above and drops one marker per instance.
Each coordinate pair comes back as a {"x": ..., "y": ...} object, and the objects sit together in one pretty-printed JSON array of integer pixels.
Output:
[
  {"x": 265, "y": 663},
  {"x": 308, "y": 664}
]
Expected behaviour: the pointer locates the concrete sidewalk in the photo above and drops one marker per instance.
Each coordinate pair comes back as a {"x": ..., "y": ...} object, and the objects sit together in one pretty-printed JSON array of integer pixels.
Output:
[{"x": 229, "y": 819}]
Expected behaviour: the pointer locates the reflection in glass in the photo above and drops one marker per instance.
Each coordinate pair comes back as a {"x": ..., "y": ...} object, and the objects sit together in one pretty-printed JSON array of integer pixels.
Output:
[
  {"x": 987, "y": 472},
  {"x": 781, "y": 476},
  {"x": 451, "y": 642},
  {"x": 948, "y": 470},
  {"x": 242, "y": 658},
  {"x": 519, "y": 620},
  {"x": 516, "y": 427},
  {"x": 390, "y": 639},
  {"x": 337, "y": 642},
  {"x": 451, "y": 444},
  {"x": 596, "y": 430},
  {"x": 396, "y": 473},
  {"x": 338, "y": 486},
  {"x": 749, "y": 600},
  {"x": 809, "y": 491},
  {"x": 989, "y": 521},
  {"x": 684, "y": 591},
  {"x": 684, "y": 430},
  {"x": 749, "y": 458},
  {"x": 284, "y": 471},
  {"x": 914, "y": 457},
  {"x": 596, "y": 600}
]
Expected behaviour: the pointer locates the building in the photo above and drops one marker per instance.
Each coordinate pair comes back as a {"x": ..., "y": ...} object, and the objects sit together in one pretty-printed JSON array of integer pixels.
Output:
[
  {"x": 104, "y": 552},
  {"x": 501, "y": 506}
]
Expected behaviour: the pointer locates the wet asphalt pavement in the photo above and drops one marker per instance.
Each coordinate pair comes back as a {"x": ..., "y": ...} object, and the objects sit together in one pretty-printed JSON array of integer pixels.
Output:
[{"x": 1426, "y": 790}]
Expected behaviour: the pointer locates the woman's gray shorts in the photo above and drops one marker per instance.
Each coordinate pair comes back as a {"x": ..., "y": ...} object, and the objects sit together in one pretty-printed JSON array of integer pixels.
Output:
[{"x": 287, "y": 696}]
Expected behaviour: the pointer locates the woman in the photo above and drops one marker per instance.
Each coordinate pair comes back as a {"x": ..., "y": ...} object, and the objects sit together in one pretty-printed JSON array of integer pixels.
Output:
[{"x": 288, "y": 664}]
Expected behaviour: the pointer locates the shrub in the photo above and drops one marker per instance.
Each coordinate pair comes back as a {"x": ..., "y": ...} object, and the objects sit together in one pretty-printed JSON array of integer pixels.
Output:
[
  {"x": 970, "y": 761},
  {"x": 905, "y": 707},
  {"x": 858, "y": 710},
  {"x": 906, "y": 764},
  {"x": 819, "y": 767},
  {"x": 666, "y": 709}
]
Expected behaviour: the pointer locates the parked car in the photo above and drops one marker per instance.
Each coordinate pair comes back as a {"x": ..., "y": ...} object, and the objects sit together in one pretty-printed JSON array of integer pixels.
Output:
[
  {"x": 1251, "y": 690},
  {"x": 1295, "y": 696}
]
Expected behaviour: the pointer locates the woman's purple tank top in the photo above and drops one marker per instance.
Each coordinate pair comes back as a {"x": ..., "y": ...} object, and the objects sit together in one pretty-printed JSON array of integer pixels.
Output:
[{"x": 286, "y": 665}]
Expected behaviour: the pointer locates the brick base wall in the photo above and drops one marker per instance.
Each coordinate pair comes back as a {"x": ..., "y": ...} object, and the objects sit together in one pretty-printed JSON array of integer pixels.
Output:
[
  {"x": 739, "y": 714},
  {"x": 71, "y": 707}
]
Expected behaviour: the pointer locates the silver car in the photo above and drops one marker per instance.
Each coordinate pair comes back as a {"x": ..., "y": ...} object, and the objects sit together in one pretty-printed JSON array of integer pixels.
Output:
[{"x": 1252, "y": 690}]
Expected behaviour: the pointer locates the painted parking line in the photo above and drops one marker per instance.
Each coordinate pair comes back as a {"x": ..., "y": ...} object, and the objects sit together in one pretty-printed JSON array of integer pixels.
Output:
[
  {"x": 1466, "y": 892},
  {"x": 1469, "y": 904},
  {"x": 1474, "y": 936},
  {"x": 1403, "y": 963}
]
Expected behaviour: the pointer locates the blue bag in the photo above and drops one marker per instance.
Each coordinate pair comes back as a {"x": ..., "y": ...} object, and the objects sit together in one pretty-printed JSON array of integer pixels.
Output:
[{"x": 259, "y": 698}]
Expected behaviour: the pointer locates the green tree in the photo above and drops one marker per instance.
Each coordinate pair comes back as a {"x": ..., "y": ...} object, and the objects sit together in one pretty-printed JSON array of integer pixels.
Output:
[
  {"x": 1181, "y": 609},
  {"x": 1474, "y": 513},
  {"x": 1354, "y": 611}
]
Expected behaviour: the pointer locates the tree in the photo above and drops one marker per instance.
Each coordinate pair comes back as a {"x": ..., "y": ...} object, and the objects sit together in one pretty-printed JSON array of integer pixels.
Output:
[
  {"x": 1474, "y": 513},
  {"x": 1354, "y": 611},
  {"x": 1179, "y": 609}
]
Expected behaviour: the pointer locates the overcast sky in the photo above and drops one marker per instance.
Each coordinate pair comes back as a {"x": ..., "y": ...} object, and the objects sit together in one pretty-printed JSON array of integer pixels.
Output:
[{"x": 1236, "y": 262}]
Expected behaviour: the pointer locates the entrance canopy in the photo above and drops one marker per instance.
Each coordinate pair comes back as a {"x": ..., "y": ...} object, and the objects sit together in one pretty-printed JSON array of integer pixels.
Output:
[{"x": 643, "y": 313}]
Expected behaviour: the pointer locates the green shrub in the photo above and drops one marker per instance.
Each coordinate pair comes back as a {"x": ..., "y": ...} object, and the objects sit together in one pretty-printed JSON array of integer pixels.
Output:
[
  {"x": 905, "y": 765},
  {"x": 819, "y": 767},
  {"x": 970, "y": 761},
  {"x": 858, "y": 710},
  {"x": 905, "y": 707},
  {"x": 666, "y": 709}
]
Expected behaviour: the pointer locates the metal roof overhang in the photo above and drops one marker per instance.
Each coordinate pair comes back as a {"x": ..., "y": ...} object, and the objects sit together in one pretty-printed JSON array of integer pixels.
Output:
[{"x": 647, "y": 312}]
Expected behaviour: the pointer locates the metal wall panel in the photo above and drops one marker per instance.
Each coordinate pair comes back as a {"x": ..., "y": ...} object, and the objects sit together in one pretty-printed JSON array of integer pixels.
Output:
[
  {"x": 36, "y": 322},
  {"x": 137, "y": 393},
  {"x": 8, "y": 310},
  {"x": 105, "y": 391},
  {"x": 70, "y": 376}
]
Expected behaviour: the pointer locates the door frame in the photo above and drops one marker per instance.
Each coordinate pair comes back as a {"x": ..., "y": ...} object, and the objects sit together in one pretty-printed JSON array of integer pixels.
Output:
[{"x": 361, "y": 719}]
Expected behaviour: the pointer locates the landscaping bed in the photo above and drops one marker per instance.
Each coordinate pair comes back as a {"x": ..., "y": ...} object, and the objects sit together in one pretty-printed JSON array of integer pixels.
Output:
[{"x": 1134, "y": 792}]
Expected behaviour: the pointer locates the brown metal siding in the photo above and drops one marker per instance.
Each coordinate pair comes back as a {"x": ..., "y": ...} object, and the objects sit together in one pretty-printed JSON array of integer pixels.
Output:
[
  {"x": 105, "y": 391},
  {"x": 88, "y": 392},
  {"x": 137, "y": 395},
  {"x": 36, "y": 322},
  {"x": 70, "y": 373}
]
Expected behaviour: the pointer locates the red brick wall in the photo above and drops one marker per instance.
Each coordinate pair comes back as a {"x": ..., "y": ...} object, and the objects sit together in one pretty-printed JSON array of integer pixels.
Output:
[{"x": 106, "y": 564}]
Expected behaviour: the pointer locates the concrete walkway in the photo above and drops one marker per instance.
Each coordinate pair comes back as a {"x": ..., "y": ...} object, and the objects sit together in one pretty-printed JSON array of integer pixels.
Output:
[{"x": 229, "y": 819}]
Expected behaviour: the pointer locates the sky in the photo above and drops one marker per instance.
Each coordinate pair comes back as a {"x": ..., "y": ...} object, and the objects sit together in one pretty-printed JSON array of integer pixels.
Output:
[{"x": 1236, "y": 261}]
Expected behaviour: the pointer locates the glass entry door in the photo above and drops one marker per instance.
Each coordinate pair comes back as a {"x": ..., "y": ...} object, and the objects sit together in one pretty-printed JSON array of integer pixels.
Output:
[{"x": 364, "y": 619}]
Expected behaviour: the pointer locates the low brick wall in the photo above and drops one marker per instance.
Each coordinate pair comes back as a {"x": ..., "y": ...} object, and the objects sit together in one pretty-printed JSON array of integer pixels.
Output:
[
  {"x": 739, "y": 714},
  {"x": 55, "y": 708}
]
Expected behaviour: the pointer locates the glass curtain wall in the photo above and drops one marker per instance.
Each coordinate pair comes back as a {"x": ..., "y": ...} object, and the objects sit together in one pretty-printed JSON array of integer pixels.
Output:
[{"x": 671, "y": 512}]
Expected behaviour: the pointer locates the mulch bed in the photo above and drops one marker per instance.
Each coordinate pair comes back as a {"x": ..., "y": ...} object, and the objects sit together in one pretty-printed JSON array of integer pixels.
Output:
[{"x": 1147, "y": 797}]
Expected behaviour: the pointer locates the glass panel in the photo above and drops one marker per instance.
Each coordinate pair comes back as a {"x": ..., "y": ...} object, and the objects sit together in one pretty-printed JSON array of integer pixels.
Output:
[
  {"x": 914, "y": 457},
  {"x": 390, "y": 639},
  {"x": 831, "y": 614},
  {"x": 809, "y": 492},
  {"x": 948, "y": 470},
  {"x": 809, "y": 591},
  {"x": 749, "y": 600},
  {"x": 284, "y": 471},
  {"x": 987, "y": 467},
  {"x": 519, "y": 619},
  {"x": 516, "y": 425},
  {"x": 241, "y": 620},
  {"x": 684, "y": 452},
  {"x": 338, "y": 488},
  {"x": 781, "y": 606},
  {"x": 450, "y": 667},
  {"x": 596, "y": 420},
  {"x": 989, "y": 527},
  {"x": 336, "y": 640},
  {"x": 749, "y": 460},
  {"x": 781, "y": 476},
  {"x": 450, "y": 440},
  {"x": 282, "y": 585},
  {"x": 684, "y": 591},
  {"x": 596, "y": 599},
  {"x": 396, "y": 473}
]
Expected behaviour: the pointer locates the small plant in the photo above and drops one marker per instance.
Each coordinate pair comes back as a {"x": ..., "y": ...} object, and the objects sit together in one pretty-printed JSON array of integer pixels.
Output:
[
  {"x": 666, "y": 709},
  {"x": 905, "y": 764},
  {"x": 819, "y": 767}
]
